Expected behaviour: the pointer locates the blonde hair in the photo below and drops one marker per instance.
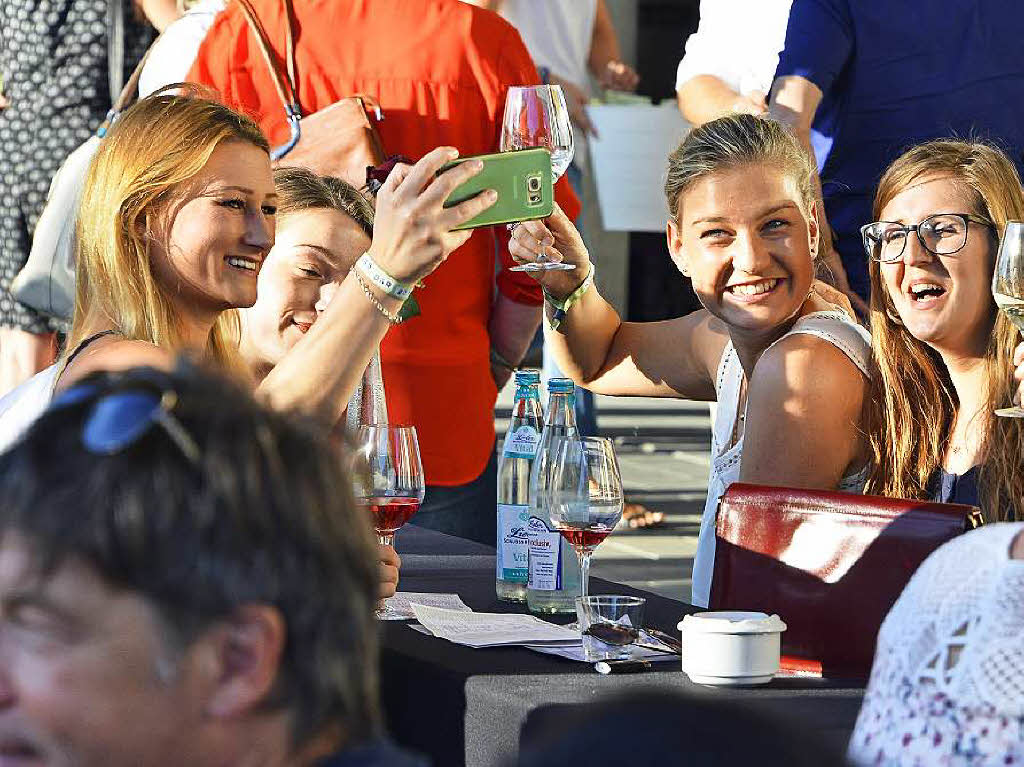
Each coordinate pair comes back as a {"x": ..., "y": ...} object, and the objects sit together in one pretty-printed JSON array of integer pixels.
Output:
[
  {"x": 732, "y": 141},
  {"x": 913, "y": 403},
  {"x": 152, "y": 151}
]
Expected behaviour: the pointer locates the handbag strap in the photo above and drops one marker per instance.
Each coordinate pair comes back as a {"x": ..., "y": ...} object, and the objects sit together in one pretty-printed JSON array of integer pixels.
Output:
[
  {"x": 284, "y": 83},
  {"x": 115, "y": 48},
  {"x": 127, "y": 94}
]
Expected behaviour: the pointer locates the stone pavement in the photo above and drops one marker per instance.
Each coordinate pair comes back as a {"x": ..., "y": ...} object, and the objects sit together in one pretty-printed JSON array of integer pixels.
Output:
[{"x": 663, "y": 449}]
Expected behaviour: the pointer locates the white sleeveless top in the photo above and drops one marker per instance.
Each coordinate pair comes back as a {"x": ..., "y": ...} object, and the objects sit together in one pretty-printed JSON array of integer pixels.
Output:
[
  {"x": 947, "y": 685},
  {"x": 833, "y": 326},
  {"x": 21, "y": 406}
]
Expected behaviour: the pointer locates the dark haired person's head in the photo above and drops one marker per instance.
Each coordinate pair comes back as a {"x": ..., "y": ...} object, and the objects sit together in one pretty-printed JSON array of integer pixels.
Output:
[{"x": 184, "y": 579}]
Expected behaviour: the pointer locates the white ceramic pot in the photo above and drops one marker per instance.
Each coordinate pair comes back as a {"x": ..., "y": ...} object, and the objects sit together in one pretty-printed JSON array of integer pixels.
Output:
[{"x": 731, "y": 648}]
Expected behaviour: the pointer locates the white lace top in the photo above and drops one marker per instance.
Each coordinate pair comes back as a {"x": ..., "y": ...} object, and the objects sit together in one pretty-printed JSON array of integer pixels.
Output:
[
  {"x": 833, "y": 326},
  {"x": 947, "y": 686}
]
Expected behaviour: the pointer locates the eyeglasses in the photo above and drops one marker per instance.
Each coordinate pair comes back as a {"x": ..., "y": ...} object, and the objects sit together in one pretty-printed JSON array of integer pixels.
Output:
[
  {"x": 121, "y": 416},
  {"x": 942, "y": 234}
]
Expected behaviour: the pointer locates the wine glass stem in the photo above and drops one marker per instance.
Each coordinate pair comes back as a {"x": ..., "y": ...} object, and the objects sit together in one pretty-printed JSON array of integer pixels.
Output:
[
  {"x": 386, "y": 539},
  {"x": 584, "y": 557}
]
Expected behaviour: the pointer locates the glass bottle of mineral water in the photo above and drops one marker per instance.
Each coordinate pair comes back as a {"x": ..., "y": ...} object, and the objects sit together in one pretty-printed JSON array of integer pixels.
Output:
[
  {"x": 517, "y": 458},
  {"x": 554, "y": 578}
]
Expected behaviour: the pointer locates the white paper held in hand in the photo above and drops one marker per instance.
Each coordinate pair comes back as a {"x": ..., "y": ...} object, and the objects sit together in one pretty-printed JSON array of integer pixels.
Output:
[
  {"x": 492, "y": 629},
  {"x": 400, "y": 605}
]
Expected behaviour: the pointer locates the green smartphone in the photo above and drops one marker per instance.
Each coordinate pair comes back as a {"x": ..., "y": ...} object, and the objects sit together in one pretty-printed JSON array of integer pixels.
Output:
[{"x": 522, "y": 180}]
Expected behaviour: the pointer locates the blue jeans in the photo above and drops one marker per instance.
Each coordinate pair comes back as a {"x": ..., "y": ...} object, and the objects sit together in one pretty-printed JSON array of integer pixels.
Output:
[
  {"x": 467, "y": 511},
  {"x": 586, "y": 412}
]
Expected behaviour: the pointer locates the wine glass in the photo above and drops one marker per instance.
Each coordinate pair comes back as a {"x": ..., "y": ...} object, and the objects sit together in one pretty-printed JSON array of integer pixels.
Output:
[
  {"x": 586, "y": 495},
  {"x": 536, "y": 115},
  {"x": 391, "y": 486},
  {"x": 1008, "y": 287}
]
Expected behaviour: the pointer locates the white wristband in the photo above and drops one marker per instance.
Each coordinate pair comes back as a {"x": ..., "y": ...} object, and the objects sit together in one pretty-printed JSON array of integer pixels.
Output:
[{"x": 382, "y": 279}]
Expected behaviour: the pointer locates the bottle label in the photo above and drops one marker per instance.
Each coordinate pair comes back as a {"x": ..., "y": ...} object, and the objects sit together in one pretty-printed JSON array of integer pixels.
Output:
[
  {"x": 523, "y": 442},
  {"x": 513, "y": 551},
  {"x": 545, "y": 556}
]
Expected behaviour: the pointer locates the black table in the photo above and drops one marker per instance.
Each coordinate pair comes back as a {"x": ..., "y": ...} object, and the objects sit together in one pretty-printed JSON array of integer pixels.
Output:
[{"x": 467, "y": 707}]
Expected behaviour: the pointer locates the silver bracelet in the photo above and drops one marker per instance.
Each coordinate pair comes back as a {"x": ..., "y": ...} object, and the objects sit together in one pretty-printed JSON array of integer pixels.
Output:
[
  {"x": 394, "y": 319},
  {"x": 373, "y": 272}
]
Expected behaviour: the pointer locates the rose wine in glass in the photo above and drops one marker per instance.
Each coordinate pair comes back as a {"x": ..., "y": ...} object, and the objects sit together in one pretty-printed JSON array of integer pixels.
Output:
[
  {"x": 536, "y": 116},
  {"x": 1008, "y": 287},
  {"x": 390, "y": 485},
  {"x": 586, "y": 496}
]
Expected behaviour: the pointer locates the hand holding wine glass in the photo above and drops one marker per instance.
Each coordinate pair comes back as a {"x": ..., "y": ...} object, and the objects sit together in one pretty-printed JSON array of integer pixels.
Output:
[
  {"x": 554, "y": 238},
  {"x": 586, "y": 495},
  {"x": 1008, "y": 288},
  {"x": 537, "y": 116}
]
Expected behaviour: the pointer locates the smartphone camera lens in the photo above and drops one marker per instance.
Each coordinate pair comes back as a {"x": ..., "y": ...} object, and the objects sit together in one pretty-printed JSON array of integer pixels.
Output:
[{"x": 533, "y": 183}]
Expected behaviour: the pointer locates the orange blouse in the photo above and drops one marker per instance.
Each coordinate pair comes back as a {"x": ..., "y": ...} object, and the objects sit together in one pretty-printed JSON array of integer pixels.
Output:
[{"x": 440, "y": 70}]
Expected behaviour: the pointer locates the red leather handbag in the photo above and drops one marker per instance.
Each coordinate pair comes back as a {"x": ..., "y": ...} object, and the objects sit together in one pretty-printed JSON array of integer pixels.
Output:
[{"x": 830, "y": 564}]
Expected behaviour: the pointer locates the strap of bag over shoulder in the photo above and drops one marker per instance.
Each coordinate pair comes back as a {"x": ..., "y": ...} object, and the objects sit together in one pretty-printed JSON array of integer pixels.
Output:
[
  {"x": 115, "y": 48},
  {"x": 286, "y": 83},
  {"x": 128, "y": 93}
]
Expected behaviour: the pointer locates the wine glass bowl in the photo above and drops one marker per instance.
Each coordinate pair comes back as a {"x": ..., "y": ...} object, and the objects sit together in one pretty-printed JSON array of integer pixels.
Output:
[
  {"x": 1008, "y": 287},
  {"x": 537, "y": 116},
  {"x": 391, "y": 484},
  {"x": 586, "y": 495}
]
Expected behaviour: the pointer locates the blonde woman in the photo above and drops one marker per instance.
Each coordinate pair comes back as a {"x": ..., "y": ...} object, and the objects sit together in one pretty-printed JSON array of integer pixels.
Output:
[
  {"x": 787, "y": 367},
  {"x": 177, "y": 218},
  {"x": 176, "y": 221},
  {"x": 943, "y": 353}
]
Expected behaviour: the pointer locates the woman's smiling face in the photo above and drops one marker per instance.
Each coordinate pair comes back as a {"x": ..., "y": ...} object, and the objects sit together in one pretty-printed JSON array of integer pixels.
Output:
[
  {"x": 944, "y": 301},
  {"x": 218, "y": 235},
  {"x": 747, "y": 242},
  {"x": 314, "y": 251}
]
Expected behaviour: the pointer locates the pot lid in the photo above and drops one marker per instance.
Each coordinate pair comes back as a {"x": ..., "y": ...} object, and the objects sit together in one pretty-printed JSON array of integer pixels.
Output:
[{"x": 732, "y": 622}]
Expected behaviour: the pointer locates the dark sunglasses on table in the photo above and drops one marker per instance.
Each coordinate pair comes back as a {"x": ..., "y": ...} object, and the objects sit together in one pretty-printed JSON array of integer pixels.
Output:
[
  {"x": 942, "y": 234},
  {"x": 120, "y": 416}
]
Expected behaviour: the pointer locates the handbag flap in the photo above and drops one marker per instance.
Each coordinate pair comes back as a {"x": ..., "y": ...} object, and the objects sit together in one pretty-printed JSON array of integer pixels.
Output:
[
  {"x": 830, "y": 564},
  {"x": 338, "y": 141}
]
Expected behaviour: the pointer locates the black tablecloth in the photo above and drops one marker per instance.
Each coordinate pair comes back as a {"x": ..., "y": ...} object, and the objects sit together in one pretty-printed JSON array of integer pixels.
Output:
[{"x": 467, "y": 707}]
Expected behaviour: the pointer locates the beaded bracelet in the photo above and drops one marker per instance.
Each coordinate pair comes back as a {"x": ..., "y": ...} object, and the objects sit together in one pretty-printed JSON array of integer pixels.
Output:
[
  {"x": 382, "y": 279},
  {"x": 394, "y": 319}
]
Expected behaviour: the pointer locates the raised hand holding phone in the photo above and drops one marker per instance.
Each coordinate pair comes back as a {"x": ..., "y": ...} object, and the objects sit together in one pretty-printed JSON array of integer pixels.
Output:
[{"x": 413, "y": 231}]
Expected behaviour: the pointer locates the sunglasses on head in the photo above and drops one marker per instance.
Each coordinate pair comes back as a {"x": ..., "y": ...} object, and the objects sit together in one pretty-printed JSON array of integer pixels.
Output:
[{"x": 121, "y": 415}]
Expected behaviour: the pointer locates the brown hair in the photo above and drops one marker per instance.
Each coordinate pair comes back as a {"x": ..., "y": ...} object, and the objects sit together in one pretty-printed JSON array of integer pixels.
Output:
[
  {"x": 300, "y": 189},
  {"x": 152, "y": 151},
  {"x": 913, "y": 404},
  {"x": 737, "y": 140}
]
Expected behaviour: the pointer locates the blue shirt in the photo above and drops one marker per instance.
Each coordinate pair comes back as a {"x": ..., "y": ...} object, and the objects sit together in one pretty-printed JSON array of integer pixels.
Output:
[
  {"x": 895, "y": 73},
  {"x": 378, "y": 753}
]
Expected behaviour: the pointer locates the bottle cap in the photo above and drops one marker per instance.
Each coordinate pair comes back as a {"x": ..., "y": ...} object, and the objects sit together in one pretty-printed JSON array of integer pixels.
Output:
[
  {"x": 560, "y": 385},
  {"x": 527, "y": 377}
]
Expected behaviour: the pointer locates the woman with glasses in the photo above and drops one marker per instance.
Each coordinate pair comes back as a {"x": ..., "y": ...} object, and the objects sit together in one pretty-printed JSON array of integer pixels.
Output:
[
  {"x": 947, "y": 678},
  {"x": 786, "y": 365},
  {"x": 943, "y": 354}
]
